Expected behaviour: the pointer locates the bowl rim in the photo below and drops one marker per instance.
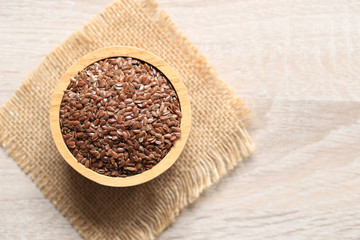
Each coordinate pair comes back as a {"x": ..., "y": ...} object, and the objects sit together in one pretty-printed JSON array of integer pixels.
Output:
[{"x": 121, "y": 51}]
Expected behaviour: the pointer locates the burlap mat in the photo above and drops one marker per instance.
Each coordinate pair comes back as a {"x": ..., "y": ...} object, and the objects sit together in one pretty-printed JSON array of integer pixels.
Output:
[{"x": 217, "y": 141}]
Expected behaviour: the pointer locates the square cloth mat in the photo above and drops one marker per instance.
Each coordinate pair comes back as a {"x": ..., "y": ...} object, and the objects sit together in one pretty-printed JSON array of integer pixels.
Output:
[{"x": 217, "y": 142}]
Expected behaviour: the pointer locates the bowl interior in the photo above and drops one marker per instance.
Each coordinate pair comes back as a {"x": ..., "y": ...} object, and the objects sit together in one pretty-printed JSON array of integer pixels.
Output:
[{"x": 145, "y": 56}]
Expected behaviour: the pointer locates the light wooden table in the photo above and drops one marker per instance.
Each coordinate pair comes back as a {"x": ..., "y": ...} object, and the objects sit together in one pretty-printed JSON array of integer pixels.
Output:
[{"x": 296, "y": 63}]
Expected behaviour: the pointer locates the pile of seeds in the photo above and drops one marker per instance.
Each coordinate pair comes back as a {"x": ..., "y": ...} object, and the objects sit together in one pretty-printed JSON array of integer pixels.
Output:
[{"x": 120, "y": 117}]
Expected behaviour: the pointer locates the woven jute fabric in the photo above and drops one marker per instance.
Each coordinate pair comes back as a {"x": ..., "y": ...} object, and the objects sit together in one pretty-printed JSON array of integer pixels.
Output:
[{"x": 217, "y": 142}]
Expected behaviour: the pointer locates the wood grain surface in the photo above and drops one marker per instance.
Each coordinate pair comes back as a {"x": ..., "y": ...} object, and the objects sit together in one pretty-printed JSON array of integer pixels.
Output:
[{"x": 296, "y": 64}]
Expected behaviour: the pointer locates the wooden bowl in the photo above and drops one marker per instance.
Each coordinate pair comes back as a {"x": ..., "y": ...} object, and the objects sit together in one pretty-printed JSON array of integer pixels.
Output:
[{"x": 145, "y": 56}]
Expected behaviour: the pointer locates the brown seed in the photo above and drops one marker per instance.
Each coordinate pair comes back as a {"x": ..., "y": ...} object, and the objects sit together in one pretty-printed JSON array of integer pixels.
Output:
[
  {"x": 120, "y": 150},
  {"x": 114, "y": 154},
  {"x": 109, "y": 152},
  {"x": 95, "y": 136},
  {"x": 178, "y": 113},
  {"x": 87, "y": 164},
  {"x": 167, "y": 135},
  {"x": 71, "y": 144},
  {"x": 79, "y": 157},
  {"x": 164, "y": 118},
  {"x": 112, "y": 120},
  {"x": 79, "y": 134},
  {"x": 176, "y": 129},
  {"x": 120, "y": 119},
  {"x": 85, "y": 100},
  {"x": 128, "y": 118},
  {"x": 127, "y": 101},
  {"x": 166, "y": 128},
  {"x": 83, "y": 161},
  {"x": 125, "y": 135},
  {"x": 132, "y": 169},
  {"x": 138, "y": 166}
]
